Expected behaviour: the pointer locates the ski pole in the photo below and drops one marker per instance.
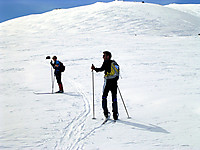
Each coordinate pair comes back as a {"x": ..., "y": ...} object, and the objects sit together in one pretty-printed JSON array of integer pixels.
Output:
[
  {"x": 93, "y": 94},
  {"x": 52, "y": 76},
  {"x": 123, "y": 103},
  {"x": 52, "y": 79}
]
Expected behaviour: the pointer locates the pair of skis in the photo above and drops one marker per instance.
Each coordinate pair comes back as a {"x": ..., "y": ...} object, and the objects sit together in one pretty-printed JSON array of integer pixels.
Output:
[
  {"x": 108, "y": 119},
  {"x": 40, "y": 93}
]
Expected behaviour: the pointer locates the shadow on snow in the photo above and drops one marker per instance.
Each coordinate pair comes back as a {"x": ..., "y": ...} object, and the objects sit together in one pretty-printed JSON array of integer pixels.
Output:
[{"x": 149, "y": 127}]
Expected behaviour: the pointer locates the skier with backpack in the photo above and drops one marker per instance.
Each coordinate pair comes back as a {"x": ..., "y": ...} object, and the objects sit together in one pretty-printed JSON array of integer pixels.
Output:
[
  {"x": 59, "y": 68},
  {"x": 111, "y": 70}
]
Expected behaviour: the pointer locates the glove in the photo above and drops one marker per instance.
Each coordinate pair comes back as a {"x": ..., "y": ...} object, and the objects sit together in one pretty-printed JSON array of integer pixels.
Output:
[{"x": 93, "y": 67}]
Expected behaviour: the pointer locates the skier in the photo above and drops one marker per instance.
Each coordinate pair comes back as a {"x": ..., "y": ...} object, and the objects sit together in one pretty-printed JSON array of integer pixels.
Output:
[
  {"x": 110, "y": 84},
  {"x": 56, "y": 65}
]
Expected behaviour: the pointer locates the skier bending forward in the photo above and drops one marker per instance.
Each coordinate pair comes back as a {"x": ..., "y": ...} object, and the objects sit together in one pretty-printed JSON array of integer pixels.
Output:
[{"x": 56, "y": 65}]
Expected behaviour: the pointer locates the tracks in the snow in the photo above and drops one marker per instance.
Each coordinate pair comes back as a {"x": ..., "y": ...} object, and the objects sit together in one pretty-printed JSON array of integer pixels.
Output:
[{"x": 73, "y": 133}]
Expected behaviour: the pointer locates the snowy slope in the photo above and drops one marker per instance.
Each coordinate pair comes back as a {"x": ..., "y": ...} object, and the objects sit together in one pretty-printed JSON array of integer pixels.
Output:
[
  {"x": 118, "y": 17},
  {"x": 193, "y": 9},
  {"x": 158, "y": 52}
]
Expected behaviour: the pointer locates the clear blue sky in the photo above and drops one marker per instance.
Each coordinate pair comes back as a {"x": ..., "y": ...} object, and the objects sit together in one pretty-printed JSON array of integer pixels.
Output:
[{"x": 10, "y": 9}]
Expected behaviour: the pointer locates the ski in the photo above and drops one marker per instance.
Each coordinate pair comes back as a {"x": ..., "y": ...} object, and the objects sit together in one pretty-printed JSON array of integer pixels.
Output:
[
  {"x": 108, "y": 119},
  {"x": 65, "y": 93},
  {"x": 42, "y": 93},
  {"x": 38, "y": 93},
  {"x": 105, "y": 121}
]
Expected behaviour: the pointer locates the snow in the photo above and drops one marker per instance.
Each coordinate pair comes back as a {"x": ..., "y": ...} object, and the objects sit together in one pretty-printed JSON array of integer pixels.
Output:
[
  {"x": 193, "y": 9},
  {"x": 157, "y": 48}
]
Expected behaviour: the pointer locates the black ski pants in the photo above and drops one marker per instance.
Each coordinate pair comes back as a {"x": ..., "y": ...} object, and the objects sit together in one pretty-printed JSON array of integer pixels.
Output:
[
  {"x": 110, "y": 85},
  {"x": 58, "y": 77}
]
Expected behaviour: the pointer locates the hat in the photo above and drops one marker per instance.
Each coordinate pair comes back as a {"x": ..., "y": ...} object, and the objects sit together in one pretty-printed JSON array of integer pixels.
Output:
[{"x": 54, "y": 57}]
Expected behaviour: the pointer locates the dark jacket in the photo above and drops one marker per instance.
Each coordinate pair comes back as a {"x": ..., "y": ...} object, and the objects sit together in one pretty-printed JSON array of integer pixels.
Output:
[
  {"x": 57, "y": 69},
  {"x": 106, "y": 67}
]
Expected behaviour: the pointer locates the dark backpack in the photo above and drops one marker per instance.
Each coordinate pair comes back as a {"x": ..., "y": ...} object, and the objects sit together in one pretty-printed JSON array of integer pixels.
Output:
[{"x": 61, "y": 67}]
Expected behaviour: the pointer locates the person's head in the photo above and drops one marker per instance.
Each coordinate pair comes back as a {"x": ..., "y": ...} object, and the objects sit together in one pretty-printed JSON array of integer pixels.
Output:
[
  {"x": 54, "y": 58},
  {"x": 107, "y": 55}
]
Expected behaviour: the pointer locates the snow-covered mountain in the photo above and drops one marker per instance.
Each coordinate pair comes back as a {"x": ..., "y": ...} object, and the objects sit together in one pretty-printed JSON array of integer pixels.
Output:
[
  {"x": 117, "y": 17},
  {"x": 157, "y": 48}
]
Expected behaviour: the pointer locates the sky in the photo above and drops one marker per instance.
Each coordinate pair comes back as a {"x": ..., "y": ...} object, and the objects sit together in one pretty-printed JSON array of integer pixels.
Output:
[{"x": 10, "y": 9}]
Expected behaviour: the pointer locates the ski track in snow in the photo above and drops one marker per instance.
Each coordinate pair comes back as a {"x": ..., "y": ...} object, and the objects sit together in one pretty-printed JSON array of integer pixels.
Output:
[{"x": 75, "y": 131}]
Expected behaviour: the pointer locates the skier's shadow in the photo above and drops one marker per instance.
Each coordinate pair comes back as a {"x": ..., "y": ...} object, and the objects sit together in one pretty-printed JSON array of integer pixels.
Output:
[{"x": 149, "y": 127}]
